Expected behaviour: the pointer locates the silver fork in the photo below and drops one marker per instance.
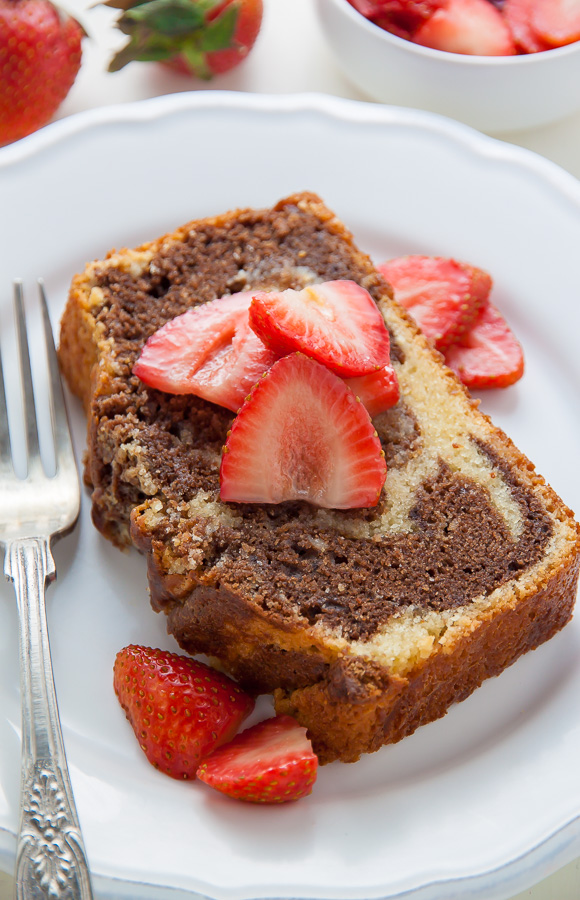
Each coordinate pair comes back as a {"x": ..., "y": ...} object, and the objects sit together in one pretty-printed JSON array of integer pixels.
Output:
[{"x": 50, "y": 855}]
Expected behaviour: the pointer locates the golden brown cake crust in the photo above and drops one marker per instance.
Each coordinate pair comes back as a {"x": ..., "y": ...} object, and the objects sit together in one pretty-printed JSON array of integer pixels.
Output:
[
  {"x": 365, "y": 624},
  {"x": 351, "y": 706}
]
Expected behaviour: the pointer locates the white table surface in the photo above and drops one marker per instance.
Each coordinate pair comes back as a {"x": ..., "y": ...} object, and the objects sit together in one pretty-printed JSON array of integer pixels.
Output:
[{"x": 290, "y": 56}]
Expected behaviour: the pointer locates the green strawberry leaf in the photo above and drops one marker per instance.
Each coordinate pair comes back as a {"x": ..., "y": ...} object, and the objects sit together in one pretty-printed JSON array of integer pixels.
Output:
[
  {"x": 160, "y": 29},
  {"x": 144, "y": 48},
  {"x": 196, "y": 60},
  {"x": 120, "y": 4},
  {"x": 171, "y": 18},
  {"x": 219, "y": 34}
]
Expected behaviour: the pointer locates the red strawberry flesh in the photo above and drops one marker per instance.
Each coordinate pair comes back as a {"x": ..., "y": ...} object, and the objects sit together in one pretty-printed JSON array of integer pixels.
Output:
[
  {"x": 302, "y": 435},
  {"x": 518, "y": 17},
  {"x": 488, "y": 356},
  {"x": 209, "y": 351},
  {"x": 336, "y": 323},
  {"x": 179, "y": 708},
  {"x": 172, "y": 356},
  {"x": 557, "y": 21},
  {"x": 400, "y": 17},
  {"x": 473, "y": 27},
  {"x": 229, "y": 374},
  {"x": 272, "y": 762},
  {"x": 377, "y": 391},
  {"x": 442, "y": 295}
]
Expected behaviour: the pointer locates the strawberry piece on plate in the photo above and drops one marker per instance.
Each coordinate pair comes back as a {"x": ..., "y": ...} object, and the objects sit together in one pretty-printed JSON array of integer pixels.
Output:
[
  {"x": 518, "y": 17},
  {"x": 473, "y": 27},
  {"x": 209, "y": 351},
  {"x": 179, "y": 708},
  {"x": 378, "y": 391},
  {"x": 336, "y": 323},
  {"x": 488, "y": 356},
  {"x": 272, "y": 762},
  {"x": 302, "y": 435},
  {"x": 442, "y": 295},
  {"x": 557, "y": 21}
]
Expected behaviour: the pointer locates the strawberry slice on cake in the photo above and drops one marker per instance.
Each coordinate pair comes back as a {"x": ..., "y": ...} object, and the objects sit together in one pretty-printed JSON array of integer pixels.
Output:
[
  {"x": 302, "y": 434},
  {"x": 209, "y": 351},
  {"x": 337, "y": 323}
]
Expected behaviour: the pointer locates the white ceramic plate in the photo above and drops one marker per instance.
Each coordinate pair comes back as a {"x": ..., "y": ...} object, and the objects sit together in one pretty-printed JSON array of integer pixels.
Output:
[{"x": 484, "y": 802}]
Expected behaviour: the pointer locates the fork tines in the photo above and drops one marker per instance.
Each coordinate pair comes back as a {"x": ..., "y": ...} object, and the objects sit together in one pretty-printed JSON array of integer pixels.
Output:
[
  {"x": 35, "y": 498},
  {"x": 9, "y": 448}
]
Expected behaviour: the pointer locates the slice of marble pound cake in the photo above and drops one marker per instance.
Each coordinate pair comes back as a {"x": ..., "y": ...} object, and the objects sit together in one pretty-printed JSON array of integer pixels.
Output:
[{"x": 363, "y": 623}]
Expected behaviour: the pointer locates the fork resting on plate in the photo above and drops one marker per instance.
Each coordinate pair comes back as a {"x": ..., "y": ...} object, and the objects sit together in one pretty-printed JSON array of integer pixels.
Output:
[{"x": 50, "y": 856}]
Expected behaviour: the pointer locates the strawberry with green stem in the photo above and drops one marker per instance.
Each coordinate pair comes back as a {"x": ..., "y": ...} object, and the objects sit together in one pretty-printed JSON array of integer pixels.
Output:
[{"x": 197, "y": 37}]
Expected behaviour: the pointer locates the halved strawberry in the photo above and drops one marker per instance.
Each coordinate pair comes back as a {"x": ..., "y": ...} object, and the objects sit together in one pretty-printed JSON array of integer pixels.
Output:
[
  {"x": 209, "y": 351},
  {"x": 557, "y": 21},
  {"x": 302, "y": 435},
  {"x": 518, "y": 17},
  {"x": 474, "y": 27},
  {"x": 488, "y": 356},
  {"x": 378, "y": 391},
  {"x": 272, "y": 762},
  {"x": 442, "y": 295},
  {"x": 337, "y": 323},
  {"x": 179, "y": 708}
]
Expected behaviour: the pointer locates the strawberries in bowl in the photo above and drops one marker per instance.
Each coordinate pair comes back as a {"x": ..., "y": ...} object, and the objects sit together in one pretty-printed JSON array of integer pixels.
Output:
[{"x": 478, "y": 27}]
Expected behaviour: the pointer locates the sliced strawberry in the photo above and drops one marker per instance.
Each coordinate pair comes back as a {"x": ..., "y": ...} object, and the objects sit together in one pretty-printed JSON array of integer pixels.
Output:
[
  {"x": 473, "y": 27},
  {"x": 209, "y": 351},
  {"x": 172, "y": 356},
  {"x": 488, "y": 356},
  {"x": 302, "y": 435},
  {"x": 337, "y": 323},
  {"x": 272, "y": 762},
  {"x": 179, "y": 708},
  {"x": 378, "y": 391},
  {"x": 442, "y": 295},
  {"x": 400, "y": 17},
  {"x": 518, "y": 17},
  {"x": 368, "y": 8},
  {"x": 557, "y": 21},
  {"x": 227, "y": 377}
]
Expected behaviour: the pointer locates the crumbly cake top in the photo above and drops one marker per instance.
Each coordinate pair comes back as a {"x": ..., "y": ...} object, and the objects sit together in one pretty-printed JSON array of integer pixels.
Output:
[{"x": 443, "y": 531}]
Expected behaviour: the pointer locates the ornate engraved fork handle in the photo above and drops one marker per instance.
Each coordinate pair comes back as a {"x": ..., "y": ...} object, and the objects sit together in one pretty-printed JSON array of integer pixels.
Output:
[{"x": 50, "y": 857}]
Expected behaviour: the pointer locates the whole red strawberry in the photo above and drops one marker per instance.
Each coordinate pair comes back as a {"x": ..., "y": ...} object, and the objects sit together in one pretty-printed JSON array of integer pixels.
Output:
[
  {"x": 197, "y": 37},
  {"x": 180, "y": 709},
  {"x": 40, "y": 55}
]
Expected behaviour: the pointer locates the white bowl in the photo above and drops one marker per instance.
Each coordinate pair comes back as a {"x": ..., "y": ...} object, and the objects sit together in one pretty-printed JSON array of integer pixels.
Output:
[{"x": 491, "y": 93}]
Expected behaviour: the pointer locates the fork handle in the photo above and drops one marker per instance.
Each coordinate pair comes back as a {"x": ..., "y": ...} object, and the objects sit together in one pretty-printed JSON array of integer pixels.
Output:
[{"x": 50, "y": 856}]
